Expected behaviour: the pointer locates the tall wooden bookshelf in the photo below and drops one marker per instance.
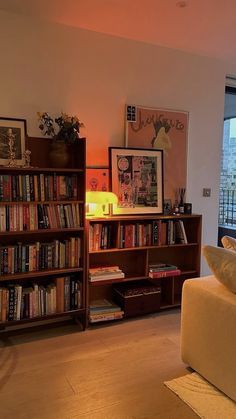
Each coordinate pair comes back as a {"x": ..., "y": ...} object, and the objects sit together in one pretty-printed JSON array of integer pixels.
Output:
[
  {"x": 134, "y": 259},
  {"x": 42, "y": 236}
]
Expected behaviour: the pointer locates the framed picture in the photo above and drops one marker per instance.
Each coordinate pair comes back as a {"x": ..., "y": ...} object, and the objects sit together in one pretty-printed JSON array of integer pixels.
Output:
[
  {"x": 137, "y": 180},
  {"x": 12, "y": 134},
  {"x": 97, "y": 178},
  {"x": 163, "y": 129}
]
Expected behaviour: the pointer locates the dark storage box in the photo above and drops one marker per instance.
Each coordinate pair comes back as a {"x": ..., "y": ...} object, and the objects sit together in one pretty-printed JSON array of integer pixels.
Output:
[{"x": 138, "y": 298}]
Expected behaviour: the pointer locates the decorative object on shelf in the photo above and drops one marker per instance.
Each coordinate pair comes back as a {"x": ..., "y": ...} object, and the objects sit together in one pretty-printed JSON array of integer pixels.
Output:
[
  {"x": 181, "y": 192},
  {"x": 26, "y": 156},
  {"x": 161, "y": 129},
  {"x": 12, "y": 141},
  {"x": 100, "y": 204},
  {"x": 59, "y": 154},
  {"x": 97, "y": 178},
  {"x": 188, "y": 208},
  {"x": 167, "y": 206},
  {"x": 64, "y": 131},
  {"x": 137, "y": 180},
  {"x": 11, "y": 145}
]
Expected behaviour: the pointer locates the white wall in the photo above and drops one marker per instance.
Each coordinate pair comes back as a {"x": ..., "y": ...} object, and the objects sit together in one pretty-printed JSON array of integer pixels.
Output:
[{"x": 51, "y": 67}]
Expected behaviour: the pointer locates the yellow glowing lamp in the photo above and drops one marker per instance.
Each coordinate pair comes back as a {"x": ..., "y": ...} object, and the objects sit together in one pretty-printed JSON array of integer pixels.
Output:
[{"x": 99, "y": 203}]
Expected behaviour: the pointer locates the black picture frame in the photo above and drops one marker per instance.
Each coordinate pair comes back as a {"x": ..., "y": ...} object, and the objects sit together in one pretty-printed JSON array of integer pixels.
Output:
[
  {"x": 136, "y": 177},
  {"x": 15, "y": 127}
]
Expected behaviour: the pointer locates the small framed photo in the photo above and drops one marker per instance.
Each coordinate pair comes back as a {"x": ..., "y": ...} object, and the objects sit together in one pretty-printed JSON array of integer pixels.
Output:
[
  {"x": 137, "y": 180},
  {"x": 12, "y": 135},
  {"x": 97, "y": 178}
]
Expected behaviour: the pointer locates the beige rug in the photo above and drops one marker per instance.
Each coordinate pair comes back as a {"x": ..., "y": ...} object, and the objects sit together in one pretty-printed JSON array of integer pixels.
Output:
[{"x": 206, "y": 401}]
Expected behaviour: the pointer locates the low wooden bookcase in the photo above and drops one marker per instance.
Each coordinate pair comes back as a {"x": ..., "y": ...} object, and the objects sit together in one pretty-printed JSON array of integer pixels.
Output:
[
  {"x": 42, "y": 233},
  {"x": 133, "y": 243}
]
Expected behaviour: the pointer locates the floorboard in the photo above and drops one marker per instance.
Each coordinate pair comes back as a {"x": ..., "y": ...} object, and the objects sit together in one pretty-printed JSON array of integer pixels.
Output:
[{"x": 114, "y": 371}]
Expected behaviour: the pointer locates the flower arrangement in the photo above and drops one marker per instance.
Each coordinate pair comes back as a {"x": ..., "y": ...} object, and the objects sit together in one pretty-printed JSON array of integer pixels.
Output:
[{"x": 64, "y": 128}]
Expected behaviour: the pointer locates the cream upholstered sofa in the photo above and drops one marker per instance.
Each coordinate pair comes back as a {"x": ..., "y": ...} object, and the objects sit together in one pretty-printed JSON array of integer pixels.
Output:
[{"x": 208, "y": 332}]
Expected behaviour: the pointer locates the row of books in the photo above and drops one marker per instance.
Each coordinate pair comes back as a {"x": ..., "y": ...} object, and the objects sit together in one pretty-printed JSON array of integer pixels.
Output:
[
  {"x": 155, "y": 233},
  {"x": 100, "y": 236},
  {"x": 162, "y": 270},
  {"x": 38, "y": 187},
  {"x": 28, "y": 217},
  {"x": 105, "y": 273},
  {"x": 18, "y": 302},
  {"x": 37, "y": 256},
  {"x": 104, "y": 310}
]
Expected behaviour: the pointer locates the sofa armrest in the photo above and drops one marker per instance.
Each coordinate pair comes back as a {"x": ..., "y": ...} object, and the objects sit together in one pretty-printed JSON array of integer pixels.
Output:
[{"x": 208, "y": 332}]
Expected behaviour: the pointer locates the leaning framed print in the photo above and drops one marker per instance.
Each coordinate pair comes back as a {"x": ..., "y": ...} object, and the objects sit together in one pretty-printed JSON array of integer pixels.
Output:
[
  {"x": 163, "y": 129},
  {"x": 12, "y": 140},
  {"x": 136, "y": 177}
]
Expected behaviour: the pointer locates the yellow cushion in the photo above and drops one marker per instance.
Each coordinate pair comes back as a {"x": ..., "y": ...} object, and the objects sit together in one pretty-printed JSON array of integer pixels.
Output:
[
  {"x": 229, "y": 242},
  {"x": 222, "y": 262}
]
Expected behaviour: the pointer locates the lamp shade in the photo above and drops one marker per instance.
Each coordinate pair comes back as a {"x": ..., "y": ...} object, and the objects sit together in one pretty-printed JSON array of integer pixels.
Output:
[
  {"x": 100, "y": 203},
  {"x": 101, "y": 198}
]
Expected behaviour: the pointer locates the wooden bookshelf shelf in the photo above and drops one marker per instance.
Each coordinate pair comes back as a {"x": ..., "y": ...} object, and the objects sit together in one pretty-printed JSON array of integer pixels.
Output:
[
  {"x": 38, "y": 274},
  {"x": 69, "y": 201},
  {"x": 34, "y": 169},
  {"x": 130, "y": 278},
  {"x": 155, "y": 239},
  {"x": 125, "y": 249},
  {"x": 48, "y": 196},
  {"x": 42, "y": 318},
  {"x": 41, "y": 232}
]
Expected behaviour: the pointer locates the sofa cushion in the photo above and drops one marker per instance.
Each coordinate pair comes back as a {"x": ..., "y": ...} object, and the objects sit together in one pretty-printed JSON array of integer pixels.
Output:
[
  {"x": 208, "y": 338},
  {"x": 229, "y": 243},
  {"x": 222, "y": 262}
]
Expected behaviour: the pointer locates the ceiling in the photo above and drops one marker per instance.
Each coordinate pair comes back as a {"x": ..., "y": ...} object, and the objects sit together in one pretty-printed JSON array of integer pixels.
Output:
[{"x": 206, "y": 27}]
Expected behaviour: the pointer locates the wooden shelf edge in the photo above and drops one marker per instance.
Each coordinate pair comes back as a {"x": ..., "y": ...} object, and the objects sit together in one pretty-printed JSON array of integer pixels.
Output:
[
  {"x": 41, "y": 169},
  {"x": 168, "y": 306},
  {"x": 41, "y": 231},
  {"x": 42, "y": 318},
  {"x": 117, "y": 217},
  {"x": 38, "y": 274},
  {"x": 116, "y": 249},
  {"x": 56, "y": 202},
  {"x": 139, "y": 278},
  {"x": 118, "y": 280}
]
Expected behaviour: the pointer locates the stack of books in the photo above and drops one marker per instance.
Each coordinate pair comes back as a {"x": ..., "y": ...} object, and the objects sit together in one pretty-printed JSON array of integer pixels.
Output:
[
  {"x": 161, "y": 270},
  {"x": 104, "y": 310},
  {"x": 104, "y": 273}
]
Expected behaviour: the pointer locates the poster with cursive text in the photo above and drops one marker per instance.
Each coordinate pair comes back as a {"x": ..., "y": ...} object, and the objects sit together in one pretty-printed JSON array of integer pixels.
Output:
[{"x": 165, "y": 130}]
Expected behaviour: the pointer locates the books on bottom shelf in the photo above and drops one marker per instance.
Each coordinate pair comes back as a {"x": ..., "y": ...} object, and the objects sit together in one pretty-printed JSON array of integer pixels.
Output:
[
  {"x": 104, "y": 273},
  {"x": 104, "y": 310},
  {"x": 19, "y": 302},
  {"x": 162, "y": 270}
]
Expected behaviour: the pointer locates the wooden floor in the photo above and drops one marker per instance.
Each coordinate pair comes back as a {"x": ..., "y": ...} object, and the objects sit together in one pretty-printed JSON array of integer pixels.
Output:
[{"x": 110, "y": 372}]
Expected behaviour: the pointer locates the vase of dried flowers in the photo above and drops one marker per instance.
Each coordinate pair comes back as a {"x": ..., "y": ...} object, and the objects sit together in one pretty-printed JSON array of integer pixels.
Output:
[
  {"x": 64, "y": 131},
  {"x": 59, "y": 155}
]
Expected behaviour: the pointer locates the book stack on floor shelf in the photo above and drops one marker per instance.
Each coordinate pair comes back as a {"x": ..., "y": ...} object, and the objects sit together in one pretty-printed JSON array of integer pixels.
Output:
[
  {"x": 105, "y": 273},
  {"x": 104, "y": 310},
  {"x": 162, "y": 270}
]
